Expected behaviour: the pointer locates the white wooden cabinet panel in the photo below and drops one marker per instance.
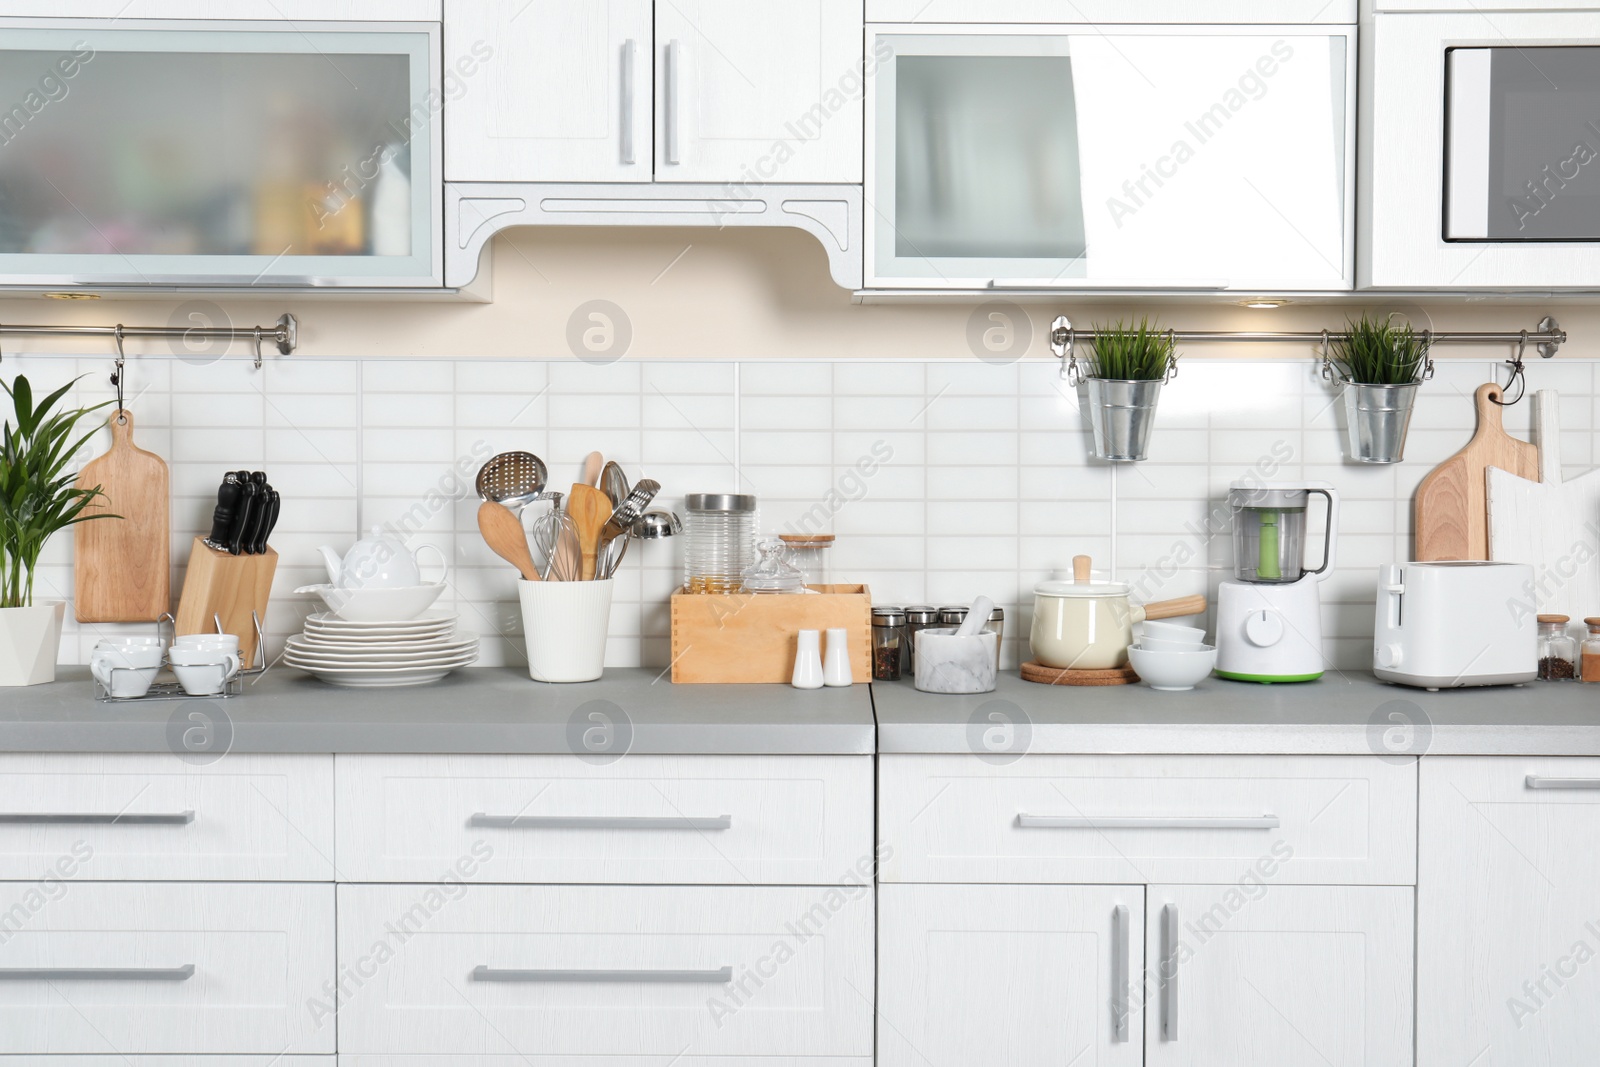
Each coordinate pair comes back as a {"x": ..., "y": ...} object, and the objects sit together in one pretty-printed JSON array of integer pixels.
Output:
[
  {"x": 260, "y": 956},
  {"x": 558, "y": 91},
  {"x": 1268, "y": 975},
  {"x": 731, "y": 820},
  {"x": 1146, "y": 819},
  {"x": 1176, "y": 12},
  {"x": 168, "y": 1061},
  {"x": 1009, "y": 976},
  {"x": 765, "y": 92},
  {"x": 1508, "y": 920},
  {"x": 607, "y": 971},
  {"x": 265, "y": 10},
  {"x": 601, "y": 1061},
  {"x": 242, "y": 818}
]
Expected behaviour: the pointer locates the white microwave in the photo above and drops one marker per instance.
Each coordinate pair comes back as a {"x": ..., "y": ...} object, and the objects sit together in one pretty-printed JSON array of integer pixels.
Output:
[
  {"x": 1481, "y": 151},
  {"x": 1193, "y": 157}
]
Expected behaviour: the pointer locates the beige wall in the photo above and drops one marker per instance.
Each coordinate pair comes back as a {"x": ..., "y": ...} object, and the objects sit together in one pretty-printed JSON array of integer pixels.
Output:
[{"x": 748, "y": 294}]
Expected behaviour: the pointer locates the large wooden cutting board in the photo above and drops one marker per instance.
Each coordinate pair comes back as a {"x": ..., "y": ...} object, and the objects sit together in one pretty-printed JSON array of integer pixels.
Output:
[
  {"x": 123, "y": 565},
  {"x": 1550, "y": 524},
  {"x": 1452, "y": 508}
]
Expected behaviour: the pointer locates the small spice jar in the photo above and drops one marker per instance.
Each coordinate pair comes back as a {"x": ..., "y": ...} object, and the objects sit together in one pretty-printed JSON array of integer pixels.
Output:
[
  {"x": 952, "y": 615},
  {"x": 1589, "y": 654},
  {"x": 888, "y": 631},
  {"x": 918, "y": 617},
  {"x": 1558, "y": 652}
]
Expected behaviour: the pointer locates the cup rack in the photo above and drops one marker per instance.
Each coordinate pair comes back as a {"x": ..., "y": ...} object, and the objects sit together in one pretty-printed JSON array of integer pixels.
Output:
[{"x": 173, "y": 690}]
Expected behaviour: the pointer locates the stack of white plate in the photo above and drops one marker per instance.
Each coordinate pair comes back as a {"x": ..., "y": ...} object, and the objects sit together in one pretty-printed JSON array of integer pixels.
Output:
[{"x": 417, "y": 652}]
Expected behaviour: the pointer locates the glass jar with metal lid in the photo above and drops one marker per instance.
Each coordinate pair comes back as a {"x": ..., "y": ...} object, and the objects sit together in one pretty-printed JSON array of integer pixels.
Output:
[
  {"x": 888, "y": 636},
  {"x": 918, "y": 617},
  {"x": 720, "y": 542}
]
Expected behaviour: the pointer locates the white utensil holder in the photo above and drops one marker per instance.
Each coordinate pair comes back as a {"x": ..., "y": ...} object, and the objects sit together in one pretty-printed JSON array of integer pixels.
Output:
[{"x": 566, "y": 625}]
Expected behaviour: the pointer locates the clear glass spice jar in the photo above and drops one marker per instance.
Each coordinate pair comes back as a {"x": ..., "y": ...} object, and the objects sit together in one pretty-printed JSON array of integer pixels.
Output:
[
  {"x": 1558, "y": 651},
  {"x": 918, "y": 617},
  {"x": 888, "y": 634},
  {"x": 810, "y": 554},
  {"x": 719, "y": 541},
  {"x": 1589, "y": 652}
]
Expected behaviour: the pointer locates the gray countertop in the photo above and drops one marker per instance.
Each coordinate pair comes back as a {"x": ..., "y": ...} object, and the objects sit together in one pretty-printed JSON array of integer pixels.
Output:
[
  {"x": 480, "y": 710},
  {"x": 1348, "y": 713}
]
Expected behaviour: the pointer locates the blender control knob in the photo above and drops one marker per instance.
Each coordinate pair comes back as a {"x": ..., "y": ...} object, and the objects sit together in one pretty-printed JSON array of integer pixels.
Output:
[
  {"x": 1388, "y": 655},
  {"x": 1264, "y": 628}
]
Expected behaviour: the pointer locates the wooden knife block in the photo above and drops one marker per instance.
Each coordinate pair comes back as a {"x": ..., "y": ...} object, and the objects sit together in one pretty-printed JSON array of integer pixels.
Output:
[{"x": 219, "y": 585}]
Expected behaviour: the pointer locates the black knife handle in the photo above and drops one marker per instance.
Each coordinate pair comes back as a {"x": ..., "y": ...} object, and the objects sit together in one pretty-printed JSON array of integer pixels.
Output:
[
  {"x": 248, "y": 502},
  {"x": 269, "y": 519},
  {"x": 228, "y": 495}
]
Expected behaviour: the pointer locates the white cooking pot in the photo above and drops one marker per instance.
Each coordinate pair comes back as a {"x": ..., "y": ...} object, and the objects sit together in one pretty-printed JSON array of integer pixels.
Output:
[{"x": 1088, "y": 625}]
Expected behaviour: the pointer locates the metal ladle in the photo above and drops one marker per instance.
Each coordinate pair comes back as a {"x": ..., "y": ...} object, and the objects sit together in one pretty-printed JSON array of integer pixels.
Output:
[
  {"x": 515, "y": 479},
  {"x": 655, "y": 525}
]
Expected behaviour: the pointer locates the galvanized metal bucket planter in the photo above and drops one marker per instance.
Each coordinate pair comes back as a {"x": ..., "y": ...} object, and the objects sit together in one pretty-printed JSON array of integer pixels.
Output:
[
  {"x": 1376, "y": 420},
  {"x": 1121, "y": 416}
]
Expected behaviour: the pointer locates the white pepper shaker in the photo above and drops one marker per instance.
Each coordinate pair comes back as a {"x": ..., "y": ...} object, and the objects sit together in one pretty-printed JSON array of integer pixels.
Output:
[
  {"x": 808, "y": 661},
  {"x": 836, "y": 670}
]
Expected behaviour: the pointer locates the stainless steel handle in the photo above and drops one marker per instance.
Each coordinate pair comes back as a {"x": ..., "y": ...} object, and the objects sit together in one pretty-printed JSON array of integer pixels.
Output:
[
  {"x": 670, "y": 90},
  {"x": 1120, "y": 967},
  {"x": 89, "y": 818},
  {"x": 1536, "y": 781},
  {"x": 602, "y": 822},
  {"x": 720, "y": 975},
  {"x": 1146, "y": 822},
  {"x": 97, "y": 974},
  {"x": 629, "y": 48},
  {"x": 1169, "y": 972}
]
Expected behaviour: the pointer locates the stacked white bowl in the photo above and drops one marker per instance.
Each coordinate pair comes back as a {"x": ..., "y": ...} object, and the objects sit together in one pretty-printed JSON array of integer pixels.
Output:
[{"x": 1171, "y": 657}]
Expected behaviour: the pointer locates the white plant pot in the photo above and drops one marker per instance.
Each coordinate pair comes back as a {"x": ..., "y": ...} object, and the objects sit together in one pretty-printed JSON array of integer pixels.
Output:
[{"x": 30, "y": 638}]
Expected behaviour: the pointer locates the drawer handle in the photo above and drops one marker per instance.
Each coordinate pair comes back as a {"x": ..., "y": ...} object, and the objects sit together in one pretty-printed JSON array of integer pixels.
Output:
[
  {"x": 1536, "y": 781},
  {"x": 721, "y": 975},
  {"x": 97, "y": 974},
  {"x": 1120, "y": 967},
  {"x": 1146, "y": 822},
  {"x": 601, "y": 822},
  {"x": 1169, "y": 972},
  {"x": 65, "y": 818}
]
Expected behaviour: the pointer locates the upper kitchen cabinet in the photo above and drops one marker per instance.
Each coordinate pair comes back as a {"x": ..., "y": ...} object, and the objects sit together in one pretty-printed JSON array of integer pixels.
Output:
[
  {"x": 295, "y": 10},
  {"x": 1133, "y": 156},
  {"x": 1479, "y": 150},
  {"x": 721, "y": 91},
  {"x": 230, "y": 154}
]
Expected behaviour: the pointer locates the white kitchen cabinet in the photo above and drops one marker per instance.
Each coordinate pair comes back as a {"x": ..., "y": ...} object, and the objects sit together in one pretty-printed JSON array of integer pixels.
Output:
[
  {"x": 558, "y": 90},
  {"x": 1254, "y": 974},
  {"x": 758, "y": 92},
  {"x": 325, "y": 10},
  {"x": 1010, "y": 976},
  {"x": 1508, "y": 945}
]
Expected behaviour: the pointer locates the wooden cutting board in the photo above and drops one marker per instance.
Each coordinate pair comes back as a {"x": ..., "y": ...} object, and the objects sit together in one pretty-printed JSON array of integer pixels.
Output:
[
  {"x": 1550, "y": 523},
  {"x": 1452, "y": 508},
  {"x": 123, "y": 566}
]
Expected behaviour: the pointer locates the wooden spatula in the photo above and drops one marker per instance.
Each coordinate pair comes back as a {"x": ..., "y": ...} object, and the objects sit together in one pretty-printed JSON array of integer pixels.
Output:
[
  {"x": 502, "y": 532},
  {"x": 123, "y": 566},
  {"x": 589, "y": 509},
  {"x": 594, "y": 464},
  {"x": 1452, "y": 509}
]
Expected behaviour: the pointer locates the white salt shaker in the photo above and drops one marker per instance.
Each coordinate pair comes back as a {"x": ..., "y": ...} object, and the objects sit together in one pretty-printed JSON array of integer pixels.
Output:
[
  {"x": 808, "y": 661},
  {"x": 836, "y": 671}
]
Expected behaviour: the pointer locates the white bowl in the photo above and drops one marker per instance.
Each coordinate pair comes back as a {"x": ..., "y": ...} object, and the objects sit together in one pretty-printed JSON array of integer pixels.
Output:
[
  {"x": 1172, "y": 671},
  {"x": 1156, "y": 644},
  {"x": 1193, "y": 636},
  {"x": 377, "y": 605}
]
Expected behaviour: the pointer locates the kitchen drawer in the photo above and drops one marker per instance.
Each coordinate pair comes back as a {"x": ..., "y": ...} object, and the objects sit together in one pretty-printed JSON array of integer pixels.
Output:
[
  {"x": 169, "y": 1061},
  {"x": 1131, "y": 819},
  {"x": 607, "y": 974},
  {"x": 736, "y": 820},
  {"x": 154, "y": 818},
  {"x": 193, "y": 968}
]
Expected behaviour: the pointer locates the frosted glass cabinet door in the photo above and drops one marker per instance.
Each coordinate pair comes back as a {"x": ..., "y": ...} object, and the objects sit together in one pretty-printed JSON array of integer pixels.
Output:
[
  {"x": 219, "y": 153},
  {"x": 559, "y": 91},
  {"x": 1009, "y": 975},
  {"x": 1194, "y": 157}
]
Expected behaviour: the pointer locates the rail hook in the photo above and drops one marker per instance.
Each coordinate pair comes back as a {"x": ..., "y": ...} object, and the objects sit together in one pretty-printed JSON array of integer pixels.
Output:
[
  {"x": 1327, "y": 356},
  {"x": 1519, "y": 375},
  {"x": 258, "y": 347},
  {"x": 117, "y": 375}
]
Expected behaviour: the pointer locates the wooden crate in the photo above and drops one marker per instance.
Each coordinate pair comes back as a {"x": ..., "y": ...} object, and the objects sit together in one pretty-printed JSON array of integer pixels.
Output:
[{"x": 744, "y": 637}]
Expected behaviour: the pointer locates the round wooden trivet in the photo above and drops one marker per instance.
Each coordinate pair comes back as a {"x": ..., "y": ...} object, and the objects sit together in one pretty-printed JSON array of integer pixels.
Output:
[{"x": 1037, "y": 672}]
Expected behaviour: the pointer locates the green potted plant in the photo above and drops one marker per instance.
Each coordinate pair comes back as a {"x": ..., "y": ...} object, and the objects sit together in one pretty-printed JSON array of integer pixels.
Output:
[
  {"x": 1122, "y": 383},
  {"x": 1379, "y": 365},
  {"x": 38, "y": 498}
]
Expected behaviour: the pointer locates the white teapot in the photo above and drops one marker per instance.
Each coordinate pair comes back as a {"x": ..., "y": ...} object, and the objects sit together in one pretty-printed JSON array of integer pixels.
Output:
[{"x": 378, "y": 561}]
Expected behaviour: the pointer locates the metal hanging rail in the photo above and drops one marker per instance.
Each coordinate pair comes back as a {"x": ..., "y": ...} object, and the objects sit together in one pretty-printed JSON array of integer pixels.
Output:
[
  {"x": 284, "y": 334},
  {"x": 1547, "y": 338}
]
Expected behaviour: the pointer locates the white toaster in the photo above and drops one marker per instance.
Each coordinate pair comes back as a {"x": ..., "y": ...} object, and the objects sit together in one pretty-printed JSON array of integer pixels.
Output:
[{"x": 1455, "y": 623}]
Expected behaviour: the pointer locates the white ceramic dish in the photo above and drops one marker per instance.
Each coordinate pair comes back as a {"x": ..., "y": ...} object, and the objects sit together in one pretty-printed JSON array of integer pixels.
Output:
[
  {"x": 377, "y": 605},
  {"x": 360, "y": 643},
  {"x": 1193, "y": 636},
  {"x": 382, "y": 659},
  {"x": 1172, "y": 671},
  {"x": 375, "y": 678},
  {"x": 1154, "y": 644},
  {"x": 462, "y": 657},
  {"x": 437, "y": 620}
]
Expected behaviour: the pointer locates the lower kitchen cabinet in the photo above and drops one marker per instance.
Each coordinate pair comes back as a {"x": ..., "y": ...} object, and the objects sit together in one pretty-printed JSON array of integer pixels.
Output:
[
  {"x": 1258, "y": 975},
  {"x": 606, "y": 976},
  {"x": 1009, "y": 975},
  {"x": 1508, "y": 903}
]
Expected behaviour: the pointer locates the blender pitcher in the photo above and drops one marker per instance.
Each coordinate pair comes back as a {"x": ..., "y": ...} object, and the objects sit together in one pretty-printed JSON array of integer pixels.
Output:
[{"x": 1269, "y": 532}]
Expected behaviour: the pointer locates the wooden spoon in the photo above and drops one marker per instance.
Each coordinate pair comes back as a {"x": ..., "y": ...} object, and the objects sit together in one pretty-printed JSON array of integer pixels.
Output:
[
  {"x": 502, "y": 531},
  {"x": 593, "y": 464},
  {"x": 589, "y": 509}
]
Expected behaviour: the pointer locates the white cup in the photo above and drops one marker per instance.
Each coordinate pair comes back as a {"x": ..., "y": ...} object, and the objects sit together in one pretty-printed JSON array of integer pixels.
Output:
[
  {"x": 566, "y": 624},
  {"x": 209, "y": 642},
  {"x": 125, "y": 668},
  {"x": 203, "y": 671}
]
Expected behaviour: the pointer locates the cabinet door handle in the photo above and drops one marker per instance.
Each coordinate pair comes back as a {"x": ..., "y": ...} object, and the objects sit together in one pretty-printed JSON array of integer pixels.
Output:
[
  {"x": 1538, "y": 781},
  {"x": 1120, "y": 966},
  {"x": 97, "y": 974},
  {"x": 1146, "y": 822},
  {"x": 629, "y": 49},
  {"x": 601, "y": 822},
  {"x": 670, "y": 88},
  {"x": 90, "y": 818},
  {"x": 1169, "y": 972},
  {"x": 720, "y": 975}
]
